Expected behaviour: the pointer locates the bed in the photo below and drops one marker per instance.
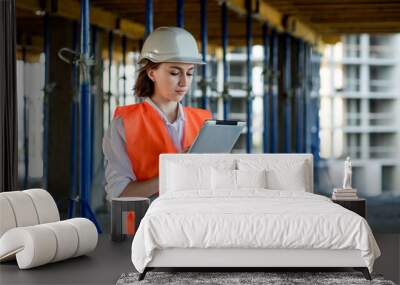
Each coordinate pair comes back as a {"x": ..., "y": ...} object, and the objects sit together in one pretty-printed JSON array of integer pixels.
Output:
[{"x": 246, "y": 211}]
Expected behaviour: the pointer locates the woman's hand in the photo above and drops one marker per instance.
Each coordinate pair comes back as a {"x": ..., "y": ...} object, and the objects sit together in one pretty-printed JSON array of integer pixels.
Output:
[
  {"x": 145, "y": 188},
  {"x": 186, "y": 150}
]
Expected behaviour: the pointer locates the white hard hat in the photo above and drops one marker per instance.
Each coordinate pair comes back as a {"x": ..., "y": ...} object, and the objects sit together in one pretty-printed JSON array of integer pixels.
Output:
[{"x": 170, "y": 44}]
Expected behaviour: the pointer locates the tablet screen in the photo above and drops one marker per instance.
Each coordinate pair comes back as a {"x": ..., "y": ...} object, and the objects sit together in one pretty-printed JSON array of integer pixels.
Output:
[{"x": 217, "y": 136}]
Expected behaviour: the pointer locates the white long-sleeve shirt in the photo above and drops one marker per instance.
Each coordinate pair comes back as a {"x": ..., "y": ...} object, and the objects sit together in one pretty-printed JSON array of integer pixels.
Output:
[{"x": 118, "y": 169}]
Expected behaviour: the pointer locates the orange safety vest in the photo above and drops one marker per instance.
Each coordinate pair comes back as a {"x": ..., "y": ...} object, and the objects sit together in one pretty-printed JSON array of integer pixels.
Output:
[{"x": 147, "y": 137}]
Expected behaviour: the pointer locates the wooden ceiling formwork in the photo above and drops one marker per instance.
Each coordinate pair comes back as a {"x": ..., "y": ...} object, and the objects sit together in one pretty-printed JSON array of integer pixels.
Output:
[
  {"x": 312, "y": 20},
  {"x": 337, "y": 17},
  {"x": 165, "y": 15}
]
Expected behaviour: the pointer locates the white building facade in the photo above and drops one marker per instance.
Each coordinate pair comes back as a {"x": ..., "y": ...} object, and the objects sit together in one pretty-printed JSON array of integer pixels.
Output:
[{"x": 360, "y": 112}]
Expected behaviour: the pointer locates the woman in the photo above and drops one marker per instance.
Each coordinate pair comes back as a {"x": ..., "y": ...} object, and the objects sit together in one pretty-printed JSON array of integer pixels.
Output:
[{"x": 139, "y": 133}]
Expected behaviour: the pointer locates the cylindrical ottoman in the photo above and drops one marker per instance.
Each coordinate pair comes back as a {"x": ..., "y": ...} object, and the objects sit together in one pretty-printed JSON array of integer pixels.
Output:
[{"x": 126, "y": 214}]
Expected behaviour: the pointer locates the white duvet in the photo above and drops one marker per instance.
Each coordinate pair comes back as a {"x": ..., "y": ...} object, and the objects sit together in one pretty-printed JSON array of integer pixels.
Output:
[{"x": 253, "y": 218}]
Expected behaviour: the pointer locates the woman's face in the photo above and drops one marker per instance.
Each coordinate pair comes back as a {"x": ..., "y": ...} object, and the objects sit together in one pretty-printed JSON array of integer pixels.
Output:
[{"x": 171, "y": 80}]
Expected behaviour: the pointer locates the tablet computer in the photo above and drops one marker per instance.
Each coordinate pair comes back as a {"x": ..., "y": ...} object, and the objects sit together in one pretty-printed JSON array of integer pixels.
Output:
[{"x": 217, "y": 136}]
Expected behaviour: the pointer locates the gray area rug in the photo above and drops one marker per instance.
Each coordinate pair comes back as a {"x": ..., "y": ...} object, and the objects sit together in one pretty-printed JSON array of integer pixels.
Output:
[{"x": 225, "y": 278}]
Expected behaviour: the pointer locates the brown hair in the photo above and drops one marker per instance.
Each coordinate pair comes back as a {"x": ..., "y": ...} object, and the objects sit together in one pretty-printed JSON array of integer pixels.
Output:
[{"x": 144, "y": 86}]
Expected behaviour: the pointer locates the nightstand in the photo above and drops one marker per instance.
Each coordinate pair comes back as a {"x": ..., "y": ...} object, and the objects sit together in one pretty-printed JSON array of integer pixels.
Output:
[{"x": 357, "y": 206}]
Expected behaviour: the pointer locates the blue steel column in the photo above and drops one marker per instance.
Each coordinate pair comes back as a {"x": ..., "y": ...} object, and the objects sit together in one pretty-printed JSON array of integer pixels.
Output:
[
  {"x": 306, "y": 96},
  {"x": 110, "y": 58},
  {"x": 92, "y": 109},
  {"x": 224, "y": 35},
  {"x": 85, "y": 116},
  {"x": 312, "y": 109},
  {"x": 74, "y": 135},
  {"x": 149, "y": 18},
  {"x": 300, "y": 97},
  {"x": 315, "y": 141},
  {"x": 179, "y": 13},
  {"x": 46, "y": 94},
  {"x": 288, "y": 94},
  {"x": 124, "y": 43},
  {"x": 85, "y": 110},
  {"x": 249, "y": 109},
  {"x": 266, "y": 98},
  {"x": 273, "y": 90},
  {"x": 307, "y": 105},
  {"x": 203, "y": 12}
]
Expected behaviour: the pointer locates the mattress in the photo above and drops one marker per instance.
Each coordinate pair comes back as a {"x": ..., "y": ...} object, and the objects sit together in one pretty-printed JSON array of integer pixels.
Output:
[{"x": 250, "y": 219}]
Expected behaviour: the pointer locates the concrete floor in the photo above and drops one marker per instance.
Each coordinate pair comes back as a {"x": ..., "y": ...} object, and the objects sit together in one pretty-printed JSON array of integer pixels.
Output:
[
  {"x": 388, "y": 264},
  {"x": 110, "y": 259}
]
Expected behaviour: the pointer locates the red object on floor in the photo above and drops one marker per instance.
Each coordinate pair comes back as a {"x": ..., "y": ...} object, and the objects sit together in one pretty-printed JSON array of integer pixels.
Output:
[{"x": 130, "y": 223}]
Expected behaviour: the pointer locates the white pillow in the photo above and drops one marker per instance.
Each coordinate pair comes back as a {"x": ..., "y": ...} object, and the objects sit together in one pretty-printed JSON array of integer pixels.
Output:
[
  {"x": 282, "y": 174},
  {"x": 236, "y": 179},
  {"x": 295, "y": 180},
  {"x": 223, "y": 179},
  {"x": 183, "y": 177},
  {"x": 251, "y": 178}
]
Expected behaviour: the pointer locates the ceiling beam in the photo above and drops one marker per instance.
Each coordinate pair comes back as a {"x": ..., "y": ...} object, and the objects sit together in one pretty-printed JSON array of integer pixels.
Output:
[
  {"x": 324, "y": 17},
  {"x": 281, "y": 22},
  {"x": 98, "y": 17}
]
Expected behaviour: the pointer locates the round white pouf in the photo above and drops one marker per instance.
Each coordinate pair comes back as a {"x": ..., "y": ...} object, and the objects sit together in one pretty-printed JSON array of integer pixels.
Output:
[
  {"x": 87, "y": 234},
  {"x": 45, "y": 205},
  {"x": 7, "y": 218},
  {"x": 23, "y": 208},
  {"x": 40, "y": 244},
  {"x": 33, "y": 246},
  {"x": 67, "y": 240}
]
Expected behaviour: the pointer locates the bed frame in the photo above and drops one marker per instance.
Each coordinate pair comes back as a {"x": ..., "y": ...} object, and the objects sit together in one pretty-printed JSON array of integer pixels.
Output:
[{"x": 245, "y": 259}]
